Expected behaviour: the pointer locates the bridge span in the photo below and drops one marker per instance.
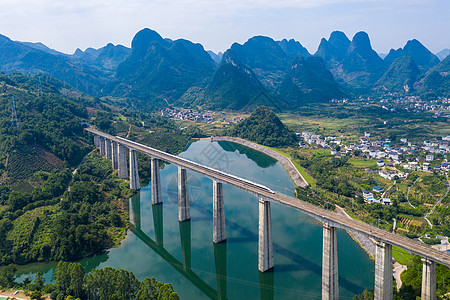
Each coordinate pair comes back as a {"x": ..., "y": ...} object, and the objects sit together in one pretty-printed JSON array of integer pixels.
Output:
[{"x": 114, "y": 148}]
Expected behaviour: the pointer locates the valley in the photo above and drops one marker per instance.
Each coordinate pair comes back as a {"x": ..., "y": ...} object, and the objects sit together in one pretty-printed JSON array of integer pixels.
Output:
[{"x": 368, "y": 134}]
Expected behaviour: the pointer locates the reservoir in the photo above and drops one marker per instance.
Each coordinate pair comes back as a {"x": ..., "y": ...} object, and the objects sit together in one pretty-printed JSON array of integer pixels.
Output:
[{"x": 183, "y": 253}]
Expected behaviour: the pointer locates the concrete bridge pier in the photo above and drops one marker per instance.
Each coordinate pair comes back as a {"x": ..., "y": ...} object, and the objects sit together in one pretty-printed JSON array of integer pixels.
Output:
[
  {"x": 101, "y": 142},
  {"x": 108, "y": 149},
  {"x": 265, "y": 244},
  {"x": 122, "y": 162},
  {"x": 134, "y": 175},
  {"x": 114, "y": 153},
  {"x": 96, "y": 143},
  {"x": 330, "y": 284},
  {"x": 428, "y": 280},
  {"x": 383, "y": 272},
  {"x": 219, "y": 228},
  {"x": 183, "y": 197},
  {"x": 156, "y": 182}
]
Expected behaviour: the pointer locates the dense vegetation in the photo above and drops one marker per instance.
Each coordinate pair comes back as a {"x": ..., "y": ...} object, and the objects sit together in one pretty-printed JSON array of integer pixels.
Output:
[
  {"x": 326, "y": 172},
  {"x": 412, "y": 282},
  {"x": 309, "y": 81},
  {"x": 72, "y": 282},
  {"x": 234, "y": 86},
  {"x": 44, "y": 225},
  {"x": 41, "y": 218},
  {"x": 264, "y": 127},
  {"x": 50, "y": 128}
]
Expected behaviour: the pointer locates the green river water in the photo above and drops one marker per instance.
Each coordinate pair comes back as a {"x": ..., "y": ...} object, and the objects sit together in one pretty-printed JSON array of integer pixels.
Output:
[{"x": 185, "y": 255}]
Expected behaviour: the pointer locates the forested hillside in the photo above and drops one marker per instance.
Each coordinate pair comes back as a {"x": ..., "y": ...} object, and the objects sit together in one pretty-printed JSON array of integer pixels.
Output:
[
  {"x": 50, "y": 134},
  {"x": 160, "y": 72},
  {"x": 264, "y": 127},
  {"x": 41, "y": 219},
  {"x": 72, "y": 281}
]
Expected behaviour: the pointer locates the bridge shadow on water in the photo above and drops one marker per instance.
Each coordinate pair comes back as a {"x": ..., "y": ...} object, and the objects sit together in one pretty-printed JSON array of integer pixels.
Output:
[{"x": 266, "y": 280}]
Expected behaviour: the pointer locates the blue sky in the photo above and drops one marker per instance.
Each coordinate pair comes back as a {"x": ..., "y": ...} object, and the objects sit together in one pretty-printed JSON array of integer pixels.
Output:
[{"x": 66, "y": 24}]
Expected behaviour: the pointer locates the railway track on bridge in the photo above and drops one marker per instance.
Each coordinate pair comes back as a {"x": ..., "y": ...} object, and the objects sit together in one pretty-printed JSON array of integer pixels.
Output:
[{"x": 267, "y": 194}]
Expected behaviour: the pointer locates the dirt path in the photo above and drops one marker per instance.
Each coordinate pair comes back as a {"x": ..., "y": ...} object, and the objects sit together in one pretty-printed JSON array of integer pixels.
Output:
[
  {"x": 407, "y": 193},
  {"x": 76, "y": 169},
  {"x": 285, "y": 161},
  {"x": 382, "y": 196},
  {"x": 437, "y": 203},
  {"x": 128, "y": 133}
]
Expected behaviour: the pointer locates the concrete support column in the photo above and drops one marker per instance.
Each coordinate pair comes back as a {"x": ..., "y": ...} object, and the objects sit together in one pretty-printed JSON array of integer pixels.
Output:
[
  {"x": 428, "y": 280},
  {"x": 108, "y": 148},
  {"x": 134, "y": 175},
  {"x": 101, "y": 141},
  {"x": 330, "y": 284},
  {"x": 265, "y": 244},
  {"x": 183, "y": 197},
  {"x": 156, "y": 182},
  {"x": 383, "y": 272},
  {"x": 122, "y": 161},
  {"x": 96, "y": 144},
  {"x": 219, "y": 228},
  {"x": 114, "y": 156}
]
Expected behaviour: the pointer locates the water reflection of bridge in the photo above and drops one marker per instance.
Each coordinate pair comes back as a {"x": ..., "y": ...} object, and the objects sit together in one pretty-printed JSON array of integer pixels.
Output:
[
  {"x": 115, "y": 149},
  {"x": 266, "y": 280}
]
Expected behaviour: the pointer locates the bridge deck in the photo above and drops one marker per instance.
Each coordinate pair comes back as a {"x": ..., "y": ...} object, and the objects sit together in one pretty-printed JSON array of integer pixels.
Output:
[{"x": 316, "y": 212}]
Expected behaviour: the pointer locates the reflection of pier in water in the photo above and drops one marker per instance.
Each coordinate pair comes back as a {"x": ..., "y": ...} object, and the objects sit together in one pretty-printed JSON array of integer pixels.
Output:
[{"x": 184, "y": 267}]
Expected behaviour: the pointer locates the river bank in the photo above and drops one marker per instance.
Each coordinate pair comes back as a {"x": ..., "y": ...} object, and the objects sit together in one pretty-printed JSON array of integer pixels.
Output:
[
  {"x": 295, "y": 175},
  {"x": 365, "y": 242},
  {"x": 10, "y": 294}
]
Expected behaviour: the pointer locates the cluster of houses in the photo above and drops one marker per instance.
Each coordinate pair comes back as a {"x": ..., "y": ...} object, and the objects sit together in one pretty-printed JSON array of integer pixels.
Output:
[
  {"x": 312, "y": 139},
  {"x": 188, "y": 114},
  {"x": 385, "y": 154},
  {"x": 417, "y": 105},
  {"x": 369, "y": 197}
]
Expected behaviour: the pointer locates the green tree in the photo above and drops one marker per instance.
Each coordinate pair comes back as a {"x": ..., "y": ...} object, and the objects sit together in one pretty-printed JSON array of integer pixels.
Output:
[
  {"x": 366, "y": 295},
  {"x": 76, "y": 272},
  {"x": 37, "y": 294},
  {"x": 152, "y": 289},
  {"x": 39, "y": 282},
  {"x": 62, "y": 277},
  {"x": 8, "y": 276}
]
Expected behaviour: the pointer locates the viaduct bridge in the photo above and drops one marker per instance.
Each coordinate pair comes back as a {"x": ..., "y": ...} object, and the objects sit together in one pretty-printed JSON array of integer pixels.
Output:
[{"x": 115, "y": 148}]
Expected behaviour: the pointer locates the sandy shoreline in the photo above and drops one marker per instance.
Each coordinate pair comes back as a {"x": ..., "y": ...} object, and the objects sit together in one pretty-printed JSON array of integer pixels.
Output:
[{"x": 19, "y": 296}]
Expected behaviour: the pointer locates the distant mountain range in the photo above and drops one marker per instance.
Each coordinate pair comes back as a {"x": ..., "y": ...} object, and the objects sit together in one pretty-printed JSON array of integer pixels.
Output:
[{"x": 157, "y": 71}]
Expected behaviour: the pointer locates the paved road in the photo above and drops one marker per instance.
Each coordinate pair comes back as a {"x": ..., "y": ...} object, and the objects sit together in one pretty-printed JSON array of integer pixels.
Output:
[
  {"x": 265, "y": 193},
  {"x": 398, "y": 270}
]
